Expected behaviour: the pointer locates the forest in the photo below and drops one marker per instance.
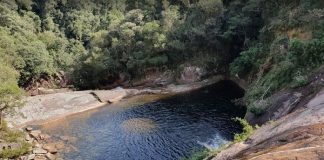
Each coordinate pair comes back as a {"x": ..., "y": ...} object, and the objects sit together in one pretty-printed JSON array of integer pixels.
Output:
[{"x": 273, "y": 44}]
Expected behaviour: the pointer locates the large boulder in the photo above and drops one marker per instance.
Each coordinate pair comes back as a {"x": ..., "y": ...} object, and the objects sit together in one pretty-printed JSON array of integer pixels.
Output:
[{"x": 190, "y": 74}]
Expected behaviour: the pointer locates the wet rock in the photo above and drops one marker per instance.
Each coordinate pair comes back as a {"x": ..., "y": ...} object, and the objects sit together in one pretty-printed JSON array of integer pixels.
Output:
[
  {"x": 44, "y": 136},
  {"x": 39, "y": 151},
  {"x": 28, "y": 138},
  {"x": 50, "y": 147},
  {"x": 28, "y": 129},
  {"x": 40, "y": 157},
  {"x": 59, "y": 145},
  {"x": 50, "y": 156},
  {"x": 38, "y": 145},
  {"x": 35, "y": 134},
  {"x": 68, "y": 138}
]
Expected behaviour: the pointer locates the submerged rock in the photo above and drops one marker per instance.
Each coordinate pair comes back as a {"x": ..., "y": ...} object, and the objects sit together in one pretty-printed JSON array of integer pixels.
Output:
[
  {"x": 139, "y": 125},
  {"x": 50, "y": 147},
  {"x": 35, "y": 134},
  {"x": 50, "y": 156}
]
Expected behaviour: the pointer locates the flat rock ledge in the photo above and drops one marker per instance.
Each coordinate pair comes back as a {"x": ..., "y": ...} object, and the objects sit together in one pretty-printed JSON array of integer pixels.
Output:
[{"x": 43, "y": 108}]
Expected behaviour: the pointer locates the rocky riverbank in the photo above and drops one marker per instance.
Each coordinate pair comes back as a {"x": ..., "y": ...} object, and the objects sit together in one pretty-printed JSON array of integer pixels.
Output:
[
  {"x": 292, "y": 126},
  {"x": 43, "y": 108},
  {"x": 298, "y": 135},
  {"x": 45, "y": 147}
]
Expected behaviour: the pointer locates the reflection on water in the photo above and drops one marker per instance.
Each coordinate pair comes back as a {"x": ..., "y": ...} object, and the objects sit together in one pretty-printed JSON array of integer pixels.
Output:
[{"x": 148, "y": 128}]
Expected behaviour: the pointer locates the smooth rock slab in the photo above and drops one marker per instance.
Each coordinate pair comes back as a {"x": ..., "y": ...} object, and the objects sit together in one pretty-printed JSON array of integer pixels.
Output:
[
  {"x": 41, "y": 108},
  {"x": 39, "y": 151},
  {"x": 111, "y": 96}
]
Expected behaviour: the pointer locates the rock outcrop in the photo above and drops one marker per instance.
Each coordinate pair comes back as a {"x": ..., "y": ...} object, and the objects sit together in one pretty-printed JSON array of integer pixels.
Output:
[
  {"x": 190, "y": 74},
  {"x": 299, "y": 135},
  {"x": 41, "y": 108},
  {"x": 42, "y": 146}
]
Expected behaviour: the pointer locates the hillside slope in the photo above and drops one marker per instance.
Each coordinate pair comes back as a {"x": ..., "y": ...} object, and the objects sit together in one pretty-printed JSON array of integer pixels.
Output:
[{"x": 295, "y": 130}]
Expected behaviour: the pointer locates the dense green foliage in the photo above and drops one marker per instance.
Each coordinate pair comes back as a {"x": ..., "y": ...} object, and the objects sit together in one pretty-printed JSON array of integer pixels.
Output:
[
  {"x": 274, "y": 44},
  {"x": 289, "y": 47},
  {"x": 95, "y": 40}
]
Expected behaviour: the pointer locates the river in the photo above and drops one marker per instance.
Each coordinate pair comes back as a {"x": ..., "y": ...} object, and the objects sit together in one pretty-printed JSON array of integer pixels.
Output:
[{"x": 153, "y": 126}]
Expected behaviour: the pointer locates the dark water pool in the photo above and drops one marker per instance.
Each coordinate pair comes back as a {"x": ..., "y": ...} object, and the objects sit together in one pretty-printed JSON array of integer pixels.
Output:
[{"x": 168, "y": 129}]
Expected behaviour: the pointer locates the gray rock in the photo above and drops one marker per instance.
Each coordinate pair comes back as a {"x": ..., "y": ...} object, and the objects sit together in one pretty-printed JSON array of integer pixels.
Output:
[
  {"x": 40, "y": 157},
  {"x": 192, "y": 74},
  {"x": 23, "y": 158},
  {"x": 35, "y": 133},
  {"x": 51, "y": 148},
  {"x": 44, "y": 136},
  {"x": 111, "y": 96},
  {"x": 31, "y": 156},
  {"x": 50, "y": 156},
  {"x": 28, "y": 138},
  {"x": 39, "y": 151},
  {"x": 28, "y": 129}
]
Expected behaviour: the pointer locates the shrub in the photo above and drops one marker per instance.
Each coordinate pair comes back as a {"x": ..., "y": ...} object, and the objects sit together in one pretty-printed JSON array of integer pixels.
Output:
[
  {"x": 200, "y": 155},
  {"x": 14, "y": 153},
  {"x": 13, "y": 136},
  {"x": 246, "y": 133},
  {"x": 257, "y": 112},
  {"x": 249, "y": 61}
]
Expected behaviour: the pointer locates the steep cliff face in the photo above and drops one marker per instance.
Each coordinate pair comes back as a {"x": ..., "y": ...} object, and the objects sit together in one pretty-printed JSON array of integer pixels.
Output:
[{"x": 292, "y": 126}]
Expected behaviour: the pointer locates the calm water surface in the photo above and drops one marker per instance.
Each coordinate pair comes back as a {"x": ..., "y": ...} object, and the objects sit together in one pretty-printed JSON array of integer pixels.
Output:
[{"x": 144, "y": 128}]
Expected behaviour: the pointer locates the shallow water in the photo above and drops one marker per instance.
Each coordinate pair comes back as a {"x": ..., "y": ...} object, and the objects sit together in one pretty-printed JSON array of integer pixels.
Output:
[{"x": 144, "y": 128}]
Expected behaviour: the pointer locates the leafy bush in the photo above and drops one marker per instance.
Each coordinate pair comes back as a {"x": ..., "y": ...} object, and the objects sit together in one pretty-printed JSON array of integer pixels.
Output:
[
  {"x": 257, "y": 112},
  {"x": 200, "y": 155},
  {"x": 246, "y": 133},
  {"x": 249, "y": 61}
]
